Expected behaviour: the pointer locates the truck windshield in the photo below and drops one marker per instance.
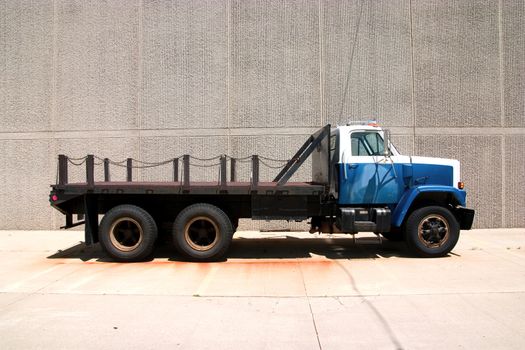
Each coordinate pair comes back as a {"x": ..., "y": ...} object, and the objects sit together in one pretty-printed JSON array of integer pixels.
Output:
[{"x": 367, "y": 144}]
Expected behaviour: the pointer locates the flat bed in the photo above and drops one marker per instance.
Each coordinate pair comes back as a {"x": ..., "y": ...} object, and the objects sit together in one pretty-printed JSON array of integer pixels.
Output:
[
  {"x": 164, "y": 201},
  {"x": 177, "y": 187}
]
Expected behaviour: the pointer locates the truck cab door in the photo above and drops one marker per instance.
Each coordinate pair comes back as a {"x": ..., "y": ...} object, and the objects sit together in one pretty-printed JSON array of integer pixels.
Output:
[{"x": 366, "y": 175}]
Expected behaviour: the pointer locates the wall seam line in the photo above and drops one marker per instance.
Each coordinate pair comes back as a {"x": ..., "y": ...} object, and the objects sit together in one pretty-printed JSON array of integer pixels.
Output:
[
  {"x": 229, "y": 80},
  {"x": 118, "y": 133},
  {"x": 140, "y": 73},
  {"x": 320, "y": 34},
  {"x": 412, "y": 80},
  {"x": 502, "y": 115},
  {"x": 54, "y": 147}
]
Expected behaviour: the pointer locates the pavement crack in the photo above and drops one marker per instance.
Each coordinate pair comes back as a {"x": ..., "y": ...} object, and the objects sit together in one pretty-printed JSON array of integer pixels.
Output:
[
  {"x": 310, "y": 307},
  {"x": 372, "y": 307}
]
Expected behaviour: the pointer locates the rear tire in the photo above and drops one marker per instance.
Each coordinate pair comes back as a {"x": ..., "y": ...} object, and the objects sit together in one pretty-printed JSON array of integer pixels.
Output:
[
  {"x": 431, "y": 232},
  {"x": 128, "y": 233},
  {"x": 202, "y": 232}
]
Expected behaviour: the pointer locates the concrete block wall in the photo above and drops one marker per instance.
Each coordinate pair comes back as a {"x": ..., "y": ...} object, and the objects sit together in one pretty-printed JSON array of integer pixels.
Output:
[{"x": 155, "y": 79}]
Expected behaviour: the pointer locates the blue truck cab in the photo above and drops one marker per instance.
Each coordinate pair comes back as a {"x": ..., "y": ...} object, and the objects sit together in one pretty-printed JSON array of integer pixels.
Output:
[{"x": 420, "y": 200}]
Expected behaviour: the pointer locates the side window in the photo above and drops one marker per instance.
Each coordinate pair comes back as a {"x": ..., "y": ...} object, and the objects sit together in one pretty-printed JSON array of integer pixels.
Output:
[
  {"x": 366, "y": 144},
  {"x": 375, "y": 142},
  {"x": 358, "y": 146}
]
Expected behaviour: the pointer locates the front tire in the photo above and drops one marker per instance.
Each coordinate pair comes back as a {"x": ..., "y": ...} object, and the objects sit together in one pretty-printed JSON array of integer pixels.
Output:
[
  {"x": 431, "y": 232},
  {"x": 202, "y": 232},
  {"x": 128, "y": 233}
]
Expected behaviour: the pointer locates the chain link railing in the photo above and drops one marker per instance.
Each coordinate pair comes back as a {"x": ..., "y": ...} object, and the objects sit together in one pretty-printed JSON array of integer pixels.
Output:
[{"x": 178, "y": 172}]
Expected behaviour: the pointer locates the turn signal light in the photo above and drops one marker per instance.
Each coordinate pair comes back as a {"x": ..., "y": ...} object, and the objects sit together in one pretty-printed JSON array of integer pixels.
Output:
[{"x": 461, "y": 185}]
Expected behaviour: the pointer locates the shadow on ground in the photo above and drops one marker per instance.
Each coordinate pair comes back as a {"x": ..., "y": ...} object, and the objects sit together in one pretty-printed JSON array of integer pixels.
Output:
[{"x": 285, "y": 247}]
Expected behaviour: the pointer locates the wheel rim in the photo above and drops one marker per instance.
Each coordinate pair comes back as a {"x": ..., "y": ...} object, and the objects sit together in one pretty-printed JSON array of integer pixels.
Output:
[
  {"x": 126, "y": 234},
  {"x": 201, "y": 233},
  {"x": 433, "y": 231}
]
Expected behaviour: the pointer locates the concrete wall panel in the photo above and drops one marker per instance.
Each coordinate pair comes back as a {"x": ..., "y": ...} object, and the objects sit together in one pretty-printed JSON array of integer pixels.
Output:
[
  {"x": 366, "y": 45},
  {"x": 514, "y": 181},
  {"x": 26, "y": 171},
  {"x": 480, "y": 158},
  {"x": 274, "y": 63},
  {"x": 113, "y": 77},
  {"x": 513, "y": 24},
  {"x": 185, "y": 64},
  {"x": 97, "y": 65},
  {"x": 404, "y": 144},
  {"x": 280, "y": 148},
  {"x": 26, "y": 66},
  {"x": 158, "y": 149},
  {"x": 456, "y": 63}
]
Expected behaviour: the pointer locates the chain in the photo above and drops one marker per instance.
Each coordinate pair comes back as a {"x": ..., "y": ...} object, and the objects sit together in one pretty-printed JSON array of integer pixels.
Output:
[
  {"x": 77, "y": 163},
  {"x": 152, "y": 165},
  {"x": 239, "y": 159},
  {"x": 116, "y": 163},
  {"x": 272, "y": 166},
  {"x": 205, "y": 159},
  {"x": 77, "y": 159},
  {"x": 146, "y": 164},
  {"x": 274, "y": 160},
  {"x": 119, "y": 164},
  {"x": 243, "y": 160},
  {"x": 205, "y": 166}
]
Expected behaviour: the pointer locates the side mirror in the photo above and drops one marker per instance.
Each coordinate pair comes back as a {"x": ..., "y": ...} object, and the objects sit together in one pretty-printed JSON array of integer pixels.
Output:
[{"x": 386, "y": 143}]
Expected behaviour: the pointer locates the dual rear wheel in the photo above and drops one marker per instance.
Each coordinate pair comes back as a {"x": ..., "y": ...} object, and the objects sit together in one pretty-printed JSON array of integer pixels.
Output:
[{"x": 200, "y": 232}]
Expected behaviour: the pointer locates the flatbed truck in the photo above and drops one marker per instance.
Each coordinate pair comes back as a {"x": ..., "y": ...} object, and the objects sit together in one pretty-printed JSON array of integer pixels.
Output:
[{"x": 359, "y": 183}]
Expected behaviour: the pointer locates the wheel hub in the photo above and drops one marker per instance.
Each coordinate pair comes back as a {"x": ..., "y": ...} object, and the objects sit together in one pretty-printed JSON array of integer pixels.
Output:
[
  {"x": 201, "y": 233},
  {"x": 126, "y": 234},
  {"x": 433, "y": 231}
]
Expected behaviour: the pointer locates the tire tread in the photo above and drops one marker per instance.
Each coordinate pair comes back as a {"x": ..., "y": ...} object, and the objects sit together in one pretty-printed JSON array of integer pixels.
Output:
[
  {"x": 223, "y": 222},
  {"x": 149, "y": 228},
  {"x": 411, "y": 234}
]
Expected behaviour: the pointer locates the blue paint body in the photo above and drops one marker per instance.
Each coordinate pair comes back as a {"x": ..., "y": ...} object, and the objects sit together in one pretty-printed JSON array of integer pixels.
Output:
[
  {"x": 408, "y": 197},
  {"x": 395, "y": 185},
  {"x": 369, "y": 183}
]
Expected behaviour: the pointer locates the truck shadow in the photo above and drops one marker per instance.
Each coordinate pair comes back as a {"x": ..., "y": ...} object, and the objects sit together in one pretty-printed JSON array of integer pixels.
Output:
[
  {"x": 289, "y": 247},
  {"x": 285, "y": 247}
]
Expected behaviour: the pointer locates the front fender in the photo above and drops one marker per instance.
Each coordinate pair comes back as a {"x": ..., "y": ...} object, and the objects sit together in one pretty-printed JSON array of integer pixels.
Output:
[{"x": 412, "y": 193}]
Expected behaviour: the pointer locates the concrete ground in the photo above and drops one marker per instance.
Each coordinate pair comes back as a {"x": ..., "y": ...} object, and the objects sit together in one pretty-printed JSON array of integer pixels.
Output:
[{"x": 275, "y": 291}]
